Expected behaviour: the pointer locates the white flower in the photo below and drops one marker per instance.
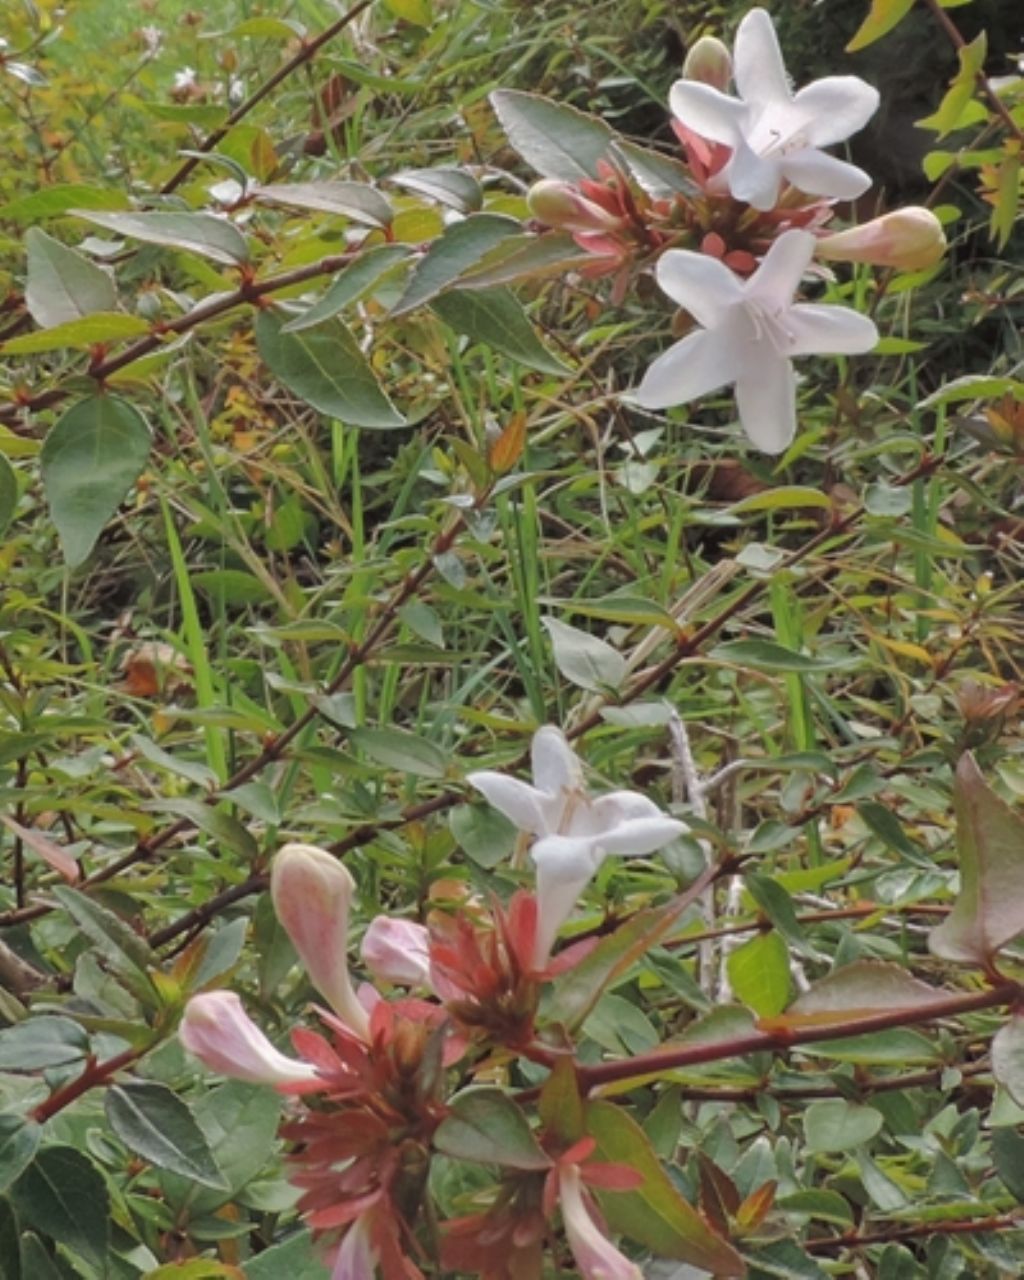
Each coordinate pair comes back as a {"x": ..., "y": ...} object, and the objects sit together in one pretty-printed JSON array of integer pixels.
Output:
[
  {"x": 751, "y": 328},
  {"x": 218, "y": 1031},
  {"x": 574, "y": 829},
  {"x": 775, "y": 135}
]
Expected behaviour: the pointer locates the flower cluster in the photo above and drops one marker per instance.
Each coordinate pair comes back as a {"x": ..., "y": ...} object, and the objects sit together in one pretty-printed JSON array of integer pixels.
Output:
[
  {"x": 733, "y": 244},
  {"x": 369, "y": 1088}
]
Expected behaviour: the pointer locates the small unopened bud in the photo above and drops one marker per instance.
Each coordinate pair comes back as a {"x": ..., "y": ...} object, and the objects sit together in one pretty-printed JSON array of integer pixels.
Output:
[
  {"x": 560, "y": 205},
  {"x": 397, "y": 951},
  {"x": 709, "y": 62},
  {"x": 980, "y": 704},
  {"x": 907, "y": 239},
  {"x": 218, "y": 1031}
]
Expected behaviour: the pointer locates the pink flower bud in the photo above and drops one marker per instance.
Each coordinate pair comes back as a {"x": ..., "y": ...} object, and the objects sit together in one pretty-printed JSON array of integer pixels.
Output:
[
  {"x": 709, "y": 62},
  {"x": 560, "y": 205},
  {"x": 596, "y": 1257},
  {"x": 312, "y": 893},
  {"x": 357, "y": 1258},
  {"x": 907, "y": 239},
  {"x": 397, "y": 951},
  {"x": 218, "y": 1031}
]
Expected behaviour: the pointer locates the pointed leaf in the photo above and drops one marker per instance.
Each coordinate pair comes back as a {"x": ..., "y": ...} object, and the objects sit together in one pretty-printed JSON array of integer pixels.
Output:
[
  {"x": 63, "y": 1195},
  {"x": 833, "y": 1124},
  {"x": 8, "y": 493},
  {"x": 90, "y": 459},
  {"x": 455, "y": 252},
  {"x": 325, "y": 367},
  {"x": 452, "y": 187},
  {"x": 202, "y": 233},
  {"x": 19, "y": 1142},
  {"x": 63, "y": 284},
  {"x": 585, "y": 660},
  {"x": 487, "y": 1127},
  {"x": 989, "y": 910},
  {"x": 654, "y": 1214},
  {"x": 1008, "y": 1057},
  {"x": 98, "y": 329},
  {"x": 882, "y": 17},
  {"x": 350, "y": 285},
  {"x": 400, "y": 749},
  {"x": 43, "y": 847},
  {"x": 354, "y": 200},
  {"x": 155, "y": 1124},
  {"x": 759, "y": 973},
  {"x": 857, "y": 990},
  {"x": 47, "y": 1040},
  {"x": 558, "y": 141},
  {"x": 494, "y": 316}
]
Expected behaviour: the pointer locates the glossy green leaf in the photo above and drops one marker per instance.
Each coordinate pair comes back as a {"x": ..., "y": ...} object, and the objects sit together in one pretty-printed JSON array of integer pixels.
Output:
[
  {"x": 585, "y": 660},
  {"x": 485, "y": 835},
  {"x": 1008, "y": 1057},
  {"x": 326, "y": 368},
  {"x": 989, "y": 909},
  {"x": 759, "y": 974},
  {"x": 62, "y": 1195},
  {"x": 296, "y": 1258},
  {"x": 41, "y": 1041},
  {"x": 557, "y": 140},
  {"x": 495, "y": 317},
  {"x": 882, "y": 17},
  {"x": 57, "y": 200},
  {"x": 961, "y": 89},
  {"x": 858, "y": 990},
  {"x": 402, "y": 750},
  {"x": 122, "y": 948},
  {"x": 19, "y": 1142},
  {"x": 484, "y": 1125},
  {"x": 766, "y": 655},
  {"x": 354, "y": 200},
  {"x": 350, "y": 285},
  {"x": 833, "y": 1124},
  {"x": 8, "y": 493},
  {"x": 90, "y": 459},
  {"x": 202, "y": 233},
  {"x": 154, "y": 1123},
  {"x": 98, "y": 329},
  {"x": 525, "y": 257},
  {"x": 454, "y": 188},
  {"x": 453, "y": 254},
  {"x": 63, "y": 284},
  {"x": 418, "y": 12},
  {"x": 654, "y": 1214},
  {"x": 10, "y": 1245}
]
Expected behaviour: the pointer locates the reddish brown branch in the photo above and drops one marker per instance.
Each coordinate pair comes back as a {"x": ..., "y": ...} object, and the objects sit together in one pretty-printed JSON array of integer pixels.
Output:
[
  {"x": 94, "y": 1074},
  {"x": 916, "y": 1231}
]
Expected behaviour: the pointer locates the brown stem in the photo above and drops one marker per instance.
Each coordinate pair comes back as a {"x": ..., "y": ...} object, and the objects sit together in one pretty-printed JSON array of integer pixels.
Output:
[
  {"x": 667, "y": 1059},
  {"x": 94, "y": 1074},
  {"x": 309, "y": 49},
  {"x": 1000, "y": 1222}
]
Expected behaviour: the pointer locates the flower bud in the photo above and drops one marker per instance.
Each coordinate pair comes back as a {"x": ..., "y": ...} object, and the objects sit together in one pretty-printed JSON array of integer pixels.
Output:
[
  {"x": 906, "y": 239},
  {"x": 312, "y": 894},
  {"x": 218, "y": 1031},
  {"x": 397, "y": 951},
  {"x": 709, "y": 62},
  {"x": 596, "y": 1257},
  {"x": 560, "y": 205}
]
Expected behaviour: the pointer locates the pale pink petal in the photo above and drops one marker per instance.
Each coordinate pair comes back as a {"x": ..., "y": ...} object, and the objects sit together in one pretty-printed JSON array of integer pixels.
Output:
[
  {"x": 596, "y": 1257},
  {"x": 778, "y": 277},
  {"x": 529, "y": 809},
  {"x": 217, "y": 1030},
  {"x": 554, "y": 763},
  {"x": 819, "y": 174},
  {"x": 701, "y": 363},
  {"x": 357, "y": 1258},
  {"x": 700, "y": 283},
  {"x": 397, "y": 951},
  {"x": 766, "y": 398},
  {"x": 707, "y": 112},
  {"x": 822, "y": 329},
  {"x": 758, "y": 69},
  {"x": 835, "y": 108}
]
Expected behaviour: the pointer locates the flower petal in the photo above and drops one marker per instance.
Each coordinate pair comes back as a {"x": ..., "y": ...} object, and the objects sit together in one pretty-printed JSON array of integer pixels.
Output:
[
  {"x": 700, "y": 364},
  {"x": 565, "y": 866},
  {"x": 638, "y": 836},
  {"x": 397, "y": 951},
  {"x": 758, "y": 69},
  {"x": 707, "y": 112},
  {"x": 529, "y": 809},
  {"x": 357, "y": 1258},
  {"x": 753, "y": 178},
  {"x": 821, "y": 329},
  {"x": 595, "y": 1256},
  {"x": 700, "y": 283},
  {"x": 217, "y": 1030},
  {"x": 555, "y": 765},
  {"x": 835, "y": 108},
  {"x": 778, "y": 277},
  {"x": 819, "y": 174},
  {"x": 766, "y": 398}
]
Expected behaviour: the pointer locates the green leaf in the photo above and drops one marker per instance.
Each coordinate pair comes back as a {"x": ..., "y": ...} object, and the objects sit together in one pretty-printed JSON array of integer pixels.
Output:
[
  {"x": 1008, "y": 1057},
  {"x": 777, "y": 905},
  {"x": 56, "y": 201},
  {"x": 154, "y": 1123},
  {"x": 232, "y": 586},
  {"x": 1006, "y": 206},
  {"x": 961, "y": 89},
  {"x": 8, "y": 493},
  {"x": 484, "y": 1125},
  {"x": 654, "y": 1214},
  {"x": 418, "y": 12},
  {"x": 833, "y": 1124},
  {"x": 558, "y": 141},
  {"x": 326, "y": 368},
  {"x": 122, "y": 948},
  {"x": 759, "y": 974},
  {"x": 455, "y": 188},
  {"x": 402, "y": 750},
  {"x": 10, "y": 1246},
  {"x": 882, "y": 17},
  {"x": 19, "y": 1142},
  {"x": 585, "y": 660},
  {"x": 46, "y": 1040},
  {"x": 354, "y": 200},
  {"x": 485, "y": 835},
  {"x": 350, "y": 285},
  {"x": 827, "y": 1206},
  {"x": 766, "y": 655},
  {"x": 661, "y": 176},
  {"x": 858, "y": 990},
  {"x": 900, "y": 1046},
  {"x": 560, "y": 1106},
  {"x": 989, "y": 909},
  {"x": 220, "y": 826},
  {"x": 62, "y": 1195},
  {"x": 782, "y": 498},
  {"x": 525, "y": 257},
  {"x": 296, "y": 1258},
  {"x": 973, "y": 386},
  {"x": 63, "y": 284},
  {"x": 90, "y": 459},
  {"x": 37, "y": 1261},
  {"x": 99, "y": 329},
  {"x": 202, "y": 233},
  {"x": 195, "y": 772},
  {"x": 452, "y": 254},
  {"x": 495, "y": 317}
]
